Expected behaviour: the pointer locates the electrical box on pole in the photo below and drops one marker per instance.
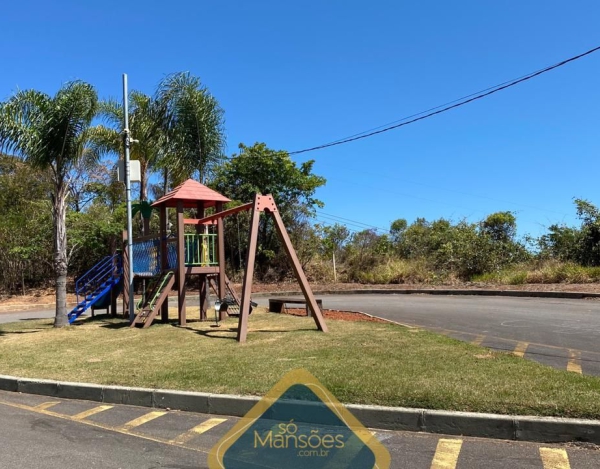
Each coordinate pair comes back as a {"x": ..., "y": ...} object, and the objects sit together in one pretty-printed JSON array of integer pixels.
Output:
[{"x": 134, "y": 171}]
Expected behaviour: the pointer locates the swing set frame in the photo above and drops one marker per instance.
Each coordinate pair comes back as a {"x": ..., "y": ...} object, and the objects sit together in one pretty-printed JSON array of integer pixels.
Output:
[{"x": 263, "y": 204}]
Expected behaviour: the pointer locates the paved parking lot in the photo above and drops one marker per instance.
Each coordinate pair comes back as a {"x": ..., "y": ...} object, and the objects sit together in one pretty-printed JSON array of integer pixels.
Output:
[
  {"x": 561, "y": 333},
  {"x": 40, "y": 432}
]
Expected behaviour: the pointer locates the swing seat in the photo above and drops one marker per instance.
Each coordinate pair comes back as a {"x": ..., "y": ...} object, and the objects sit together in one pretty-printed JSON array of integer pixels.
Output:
[{"x": 231, "y": 307}]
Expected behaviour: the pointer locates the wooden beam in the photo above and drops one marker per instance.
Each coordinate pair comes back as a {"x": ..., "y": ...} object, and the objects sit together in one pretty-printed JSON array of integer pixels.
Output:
[
  {"x": 202, "y": 297},
  {"x": 221, "y": 256},
  {"x": 304, "y": 286},
  {"x": 180, "y": 265},
  {"x": 162, "y": 299},
  {"x": 216, "y": 216},
  {"x": 247, "y": 286},
  {"x": 164, "y": 262},
  {"x": 194, "y": 221}
]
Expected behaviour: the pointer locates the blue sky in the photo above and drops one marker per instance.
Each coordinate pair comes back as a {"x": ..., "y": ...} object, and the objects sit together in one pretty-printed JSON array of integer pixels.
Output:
[{"x": 298, "y": 74}]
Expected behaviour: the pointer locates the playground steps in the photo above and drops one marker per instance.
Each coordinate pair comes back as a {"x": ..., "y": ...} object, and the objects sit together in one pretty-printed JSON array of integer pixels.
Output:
[
  {"x": 95, "y": 284},
  {"x": 156, "y": 293}
]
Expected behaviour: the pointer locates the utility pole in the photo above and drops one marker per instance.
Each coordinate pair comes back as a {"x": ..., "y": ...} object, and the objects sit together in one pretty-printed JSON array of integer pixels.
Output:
[{"x": 127, "y": 144}]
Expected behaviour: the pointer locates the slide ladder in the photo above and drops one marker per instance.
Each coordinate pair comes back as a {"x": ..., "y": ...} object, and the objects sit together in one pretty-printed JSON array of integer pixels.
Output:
[
  {"x": 156, "y": 293},
  {"x": 96, "y": 283}
]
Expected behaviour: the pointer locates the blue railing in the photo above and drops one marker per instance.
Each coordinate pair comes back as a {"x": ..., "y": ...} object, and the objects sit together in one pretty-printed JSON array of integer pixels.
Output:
[
  {"x": 199, "y": 250},
  {"x": 93, "y": 279}
]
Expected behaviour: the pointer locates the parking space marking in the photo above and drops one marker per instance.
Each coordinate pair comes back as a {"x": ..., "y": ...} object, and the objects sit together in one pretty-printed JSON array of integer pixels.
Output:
[
  {"x": 88, "y": 413},
  {"x": 90, "y": 423},
  {"x": 520, "y": 349},
  {"x": 554, "y": 458},
  {"x": 446, "y": 454},
  {"x": 197, "y": 430},
  {"x": 574, "y": 364},
  {"x": 143, "y": 419},
  {"x": 46, "y": 405},
  {"x": 478, "y": 340}
]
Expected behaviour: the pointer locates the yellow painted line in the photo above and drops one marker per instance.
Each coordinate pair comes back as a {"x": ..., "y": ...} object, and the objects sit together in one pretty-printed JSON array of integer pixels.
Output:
[
  {"x": 89, "y": 423},
  {"x": 94, "y": 411},
  {"x": 446, "y": 454},
  {"x": 478, "y": 340},
  {"x": 448, "y": 331},
  {"x": 46, "y": 405},
  {"x": 197, "y": 430},
  {"x": 520, "y": 349},
  {"x": 554, "y": 458},
  {"x": 574, "y": 364},
  {"x": 142, "y": 420}
]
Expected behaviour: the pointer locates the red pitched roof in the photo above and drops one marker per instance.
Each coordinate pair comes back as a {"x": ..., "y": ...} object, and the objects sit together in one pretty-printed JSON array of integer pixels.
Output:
[{"x": 191, "y": 192}]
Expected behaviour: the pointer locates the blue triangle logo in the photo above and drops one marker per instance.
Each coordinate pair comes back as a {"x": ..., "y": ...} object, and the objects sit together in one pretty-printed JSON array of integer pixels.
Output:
[{"x": 299, "y": 424}]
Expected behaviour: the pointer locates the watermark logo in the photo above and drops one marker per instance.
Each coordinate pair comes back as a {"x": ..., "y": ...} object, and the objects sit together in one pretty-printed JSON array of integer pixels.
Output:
[{"x": 299, "y": 424}]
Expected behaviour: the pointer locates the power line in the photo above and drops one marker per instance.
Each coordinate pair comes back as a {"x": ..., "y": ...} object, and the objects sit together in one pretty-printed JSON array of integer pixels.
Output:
[
  {"x": 352, "y": 222},
  {"x": 462, "y": 102},
  {"x": 329, "y": 223}
]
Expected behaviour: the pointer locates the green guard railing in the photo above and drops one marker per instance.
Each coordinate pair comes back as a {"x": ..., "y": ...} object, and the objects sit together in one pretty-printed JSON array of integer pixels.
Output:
[{"x": 200, "y": 249}]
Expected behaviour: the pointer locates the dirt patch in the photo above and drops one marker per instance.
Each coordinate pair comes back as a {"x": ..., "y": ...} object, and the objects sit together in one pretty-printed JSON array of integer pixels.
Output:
[
  {"x": 337, "y": 315},
  {"x": 341, "y": 287},
  {"x": 45, "y": 297}
]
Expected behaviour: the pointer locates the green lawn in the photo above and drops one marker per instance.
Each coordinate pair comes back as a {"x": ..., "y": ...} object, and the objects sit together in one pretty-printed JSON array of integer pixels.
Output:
[{"x": 363, "y": 363}]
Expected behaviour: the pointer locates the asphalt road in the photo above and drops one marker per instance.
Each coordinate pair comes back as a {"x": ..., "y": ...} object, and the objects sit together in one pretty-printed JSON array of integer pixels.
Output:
[
  {"x": 38, "y": 432},
  {"x": 557, "y": 332}
]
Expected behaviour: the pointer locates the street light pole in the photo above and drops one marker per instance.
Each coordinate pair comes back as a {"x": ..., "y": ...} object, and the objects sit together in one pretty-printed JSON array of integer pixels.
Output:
[{"x": 127, "y": 145}]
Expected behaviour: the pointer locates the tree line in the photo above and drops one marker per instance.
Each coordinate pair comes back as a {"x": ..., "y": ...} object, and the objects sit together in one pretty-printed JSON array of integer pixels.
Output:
[{"x": 63, "y": 210}]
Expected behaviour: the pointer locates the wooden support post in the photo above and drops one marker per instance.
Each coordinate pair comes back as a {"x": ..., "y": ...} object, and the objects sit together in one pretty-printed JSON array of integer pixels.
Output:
[
  {"x": 247, "y": 286},
  {"x": 180, "y": 265},
  {"x": 203, "y": 294},
  {"x": 125, "y": 276},
  {"x": 113, "y": 301},
  {"x": 164, "y": 262},
  {"x": 304, "y": 286},
  {"x": 221, "y": 256},
  {"x": 203, "y": 290}
]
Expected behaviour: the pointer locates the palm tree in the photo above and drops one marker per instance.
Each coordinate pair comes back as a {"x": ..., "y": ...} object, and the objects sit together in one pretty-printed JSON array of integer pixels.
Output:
[
  {"x": 193, "y": 125},
  {"x": 145, "y": 124},
  {"x": 51, "y": 132}
]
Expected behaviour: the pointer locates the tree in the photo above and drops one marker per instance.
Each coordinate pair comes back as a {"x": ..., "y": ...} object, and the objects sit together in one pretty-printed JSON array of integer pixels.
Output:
[
  {"x": 51, "y": 132},
  {"x": 146, "y": 120},
  {"x": 561, "y": 242},
  {"x": 397, "y": 229},
  {"x": 333, "y": 239},
  {"x": 258, "y": 169},
  {"x": 25, "y": 225},
  {"x": 589, "y": 236},
  {"x": 500, "y": 226},
  {"x": 193, "y": 127}
]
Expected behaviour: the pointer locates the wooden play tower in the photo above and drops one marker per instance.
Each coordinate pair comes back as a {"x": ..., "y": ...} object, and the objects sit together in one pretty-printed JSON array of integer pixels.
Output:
[{"x": 170, "y": 258}]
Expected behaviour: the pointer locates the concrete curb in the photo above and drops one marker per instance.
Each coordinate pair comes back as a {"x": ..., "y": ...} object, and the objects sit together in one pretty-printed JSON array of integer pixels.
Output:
[
  {"x": 508, "y": 427},
  {"x": 420, "y": 291}
]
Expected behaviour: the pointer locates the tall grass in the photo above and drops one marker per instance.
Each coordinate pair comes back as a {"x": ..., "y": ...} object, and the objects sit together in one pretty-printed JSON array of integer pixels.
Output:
[
  {"x": 542, "y": 272},
  {"x": 398, "y": 271}
]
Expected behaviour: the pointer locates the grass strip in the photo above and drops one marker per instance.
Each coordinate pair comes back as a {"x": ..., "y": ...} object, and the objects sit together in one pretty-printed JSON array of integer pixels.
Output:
[{"x": 359, "y": 362}]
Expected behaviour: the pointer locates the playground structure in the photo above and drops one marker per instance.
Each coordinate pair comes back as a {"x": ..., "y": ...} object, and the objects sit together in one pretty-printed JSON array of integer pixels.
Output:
[{"x": 167, "y": 261}]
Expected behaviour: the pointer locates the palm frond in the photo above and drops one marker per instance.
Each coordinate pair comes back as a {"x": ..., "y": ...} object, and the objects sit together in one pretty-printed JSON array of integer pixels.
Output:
[{"x": 111, "y": 112}]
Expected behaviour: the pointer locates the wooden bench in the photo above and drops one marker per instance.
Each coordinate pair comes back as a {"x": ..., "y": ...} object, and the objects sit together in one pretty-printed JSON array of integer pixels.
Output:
[{"x": 276, "y": 305}]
